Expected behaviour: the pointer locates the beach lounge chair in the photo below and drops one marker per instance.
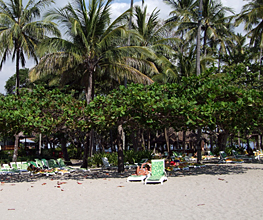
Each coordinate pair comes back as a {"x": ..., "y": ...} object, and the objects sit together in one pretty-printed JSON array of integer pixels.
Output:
[
  {"x": 106, "y": 164},
  {"x": 63, "y": 166},
  {"x": 158, "y": 174},
  {"x": 57, "y": 170},
  {"x": 10, "y": 169},
  {"x": 243, "y": 157},
  {"x": 140, "y": 176},
  {"x": 259, "y": 155},
  {"x": 225, "y": 159},
  {"x": 23, "y": 167},
  {"x": 4, "y": 171},
  {"x": 39, "y": 170},
  {"x": 17, "y": 167}
]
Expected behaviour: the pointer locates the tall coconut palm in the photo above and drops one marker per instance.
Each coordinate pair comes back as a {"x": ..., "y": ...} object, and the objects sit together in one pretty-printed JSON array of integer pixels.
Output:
[
  {"x": 252, "y": 16},
  {"x": 153, "y": 34},
  {"x": 181, "y": 9},
  {"x": 20, "y": 33},
  {"x": 214, "y": 23},
  {"x": 92, "y": 46}
]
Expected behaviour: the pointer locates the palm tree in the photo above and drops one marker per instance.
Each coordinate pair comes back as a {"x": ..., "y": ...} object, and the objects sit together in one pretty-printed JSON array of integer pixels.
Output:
[
  {"x": 93, "y": 46},
  {"x": 182, "y": 10},
  {"x": 252, "y": 16},
  {"x": 214, "y": 23},
  {"x": 20, "y": 33},
  {"x": 152, "y": 32}
]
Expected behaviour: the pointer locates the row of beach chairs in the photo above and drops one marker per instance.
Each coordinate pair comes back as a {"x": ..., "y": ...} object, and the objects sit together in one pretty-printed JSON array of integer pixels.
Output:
[{"x": 39, "y": 166}]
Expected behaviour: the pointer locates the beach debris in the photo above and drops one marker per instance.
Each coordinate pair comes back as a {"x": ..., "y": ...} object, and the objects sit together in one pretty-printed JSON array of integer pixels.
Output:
[
  {"x": 79, "y": 183},
  {"x": 58, "y": 186},
  {"x": 220, "y": 179},
  {"x": 62, "y": 189},
  {"x": 1, "y": 189},
  {"x": 60, "y": 183},
  {"x": 43, "y": 183},
  {"x": 120, "y": 186},
  {"x": 11, "y": 209},
  {"x": 200, "y": 204}
]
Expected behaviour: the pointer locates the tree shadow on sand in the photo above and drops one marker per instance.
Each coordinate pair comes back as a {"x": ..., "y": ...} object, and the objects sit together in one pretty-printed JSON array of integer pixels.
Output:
[{"x": 209, "y": 169}]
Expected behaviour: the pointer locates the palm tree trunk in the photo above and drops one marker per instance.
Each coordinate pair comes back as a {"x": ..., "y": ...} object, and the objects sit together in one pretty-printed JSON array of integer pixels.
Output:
[
  {"x": 167, "y": 140},
  {"x": 149, "y": 141},
  {"x": 184, "y": 134},
  {"x": 120, "y": 150},
  {"x": 63, "y": 141},
  {"x": 199, "y": 143},
  {"x": 15, "y": 154},
  {"x": 85, "y": 156},
  {"x": 198, "y": 39},
  {"x": 260, "y": 63},
  {"x": 17, "y": 71},
  {"x": 88, "y": 88},
  {"x": 204, "y": 45}
]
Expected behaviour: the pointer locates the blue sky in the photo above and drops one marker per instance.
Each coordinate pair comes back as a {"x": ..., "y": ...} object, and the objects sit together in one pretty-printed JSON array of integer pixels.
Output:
[{"x": 118, "y": 7}]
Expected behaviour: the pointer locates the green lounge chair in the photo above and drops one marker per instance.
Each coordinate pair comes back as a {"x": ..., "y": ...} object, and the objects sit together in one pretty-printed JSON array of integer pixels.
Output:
[
  {"x": 11, "y": 169},
  {"x": 63, "y": 166},
  {"x": 158, "y": 174},
  {"x": 53, "y": 164},
  {"x": 39, "y": 163},
  {"x": 57, "y": 170},
  {"x": 243, "y": 157},
  {"x": 4, "y": 171},
  {"x": 225, "y": 159},
  {"x": 42, "y": 171},
  {"x": 19, "y": 167}
]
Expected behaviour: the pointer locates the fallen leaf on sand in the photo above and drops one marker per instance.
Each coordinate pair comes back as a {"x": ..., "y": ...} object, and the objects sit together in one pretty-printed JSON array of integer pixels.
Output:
[
  {"x": 200, "y": 204},
  {"x": 79, "y": 183},
  {"x": 11, "y": 209},
  {"x": 220, "y": 179},
  {"x": 43, "y": 183},
  {"x": 32, "y": 186},
  {"x": 58, "y": 186},
  {"x": 120, "y": 186},
  {"x": 62, "y": 189},
  {"x": 13, "y": 184},
  {"x": 1, "y": 189}
]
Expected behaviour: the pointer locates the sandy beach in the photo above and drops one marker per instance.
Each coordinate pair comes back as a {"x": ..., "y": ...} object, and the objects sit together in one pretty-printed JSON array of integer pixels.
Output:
[{"x": 225, "y": 191}]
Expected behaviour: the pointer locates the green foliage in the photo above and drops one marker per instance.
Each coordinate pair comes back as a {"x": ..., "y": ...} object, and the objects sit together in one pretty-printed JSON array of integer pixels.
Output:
[
  {"x": 134, "y": 157},
  {"x": 11, "y": 82}
]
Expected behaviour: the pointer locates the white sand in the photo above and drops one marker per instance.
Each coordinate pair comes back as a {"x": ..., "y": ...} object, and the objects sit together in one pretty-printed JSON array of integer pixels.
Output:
[{"x": 213, "y": 192}]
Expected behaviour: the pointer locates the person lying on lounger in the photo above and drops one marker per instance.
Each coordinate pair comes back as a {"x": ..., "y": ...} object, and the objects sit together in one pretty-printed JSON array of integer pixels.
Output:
[{"x": 143, "y": 170}]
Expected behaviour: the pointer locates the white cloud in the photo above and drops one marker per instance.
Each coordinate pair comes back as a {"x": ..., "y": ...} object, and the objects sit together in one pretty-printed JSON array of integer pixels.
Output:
[{"x": 118, "y": 7}]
